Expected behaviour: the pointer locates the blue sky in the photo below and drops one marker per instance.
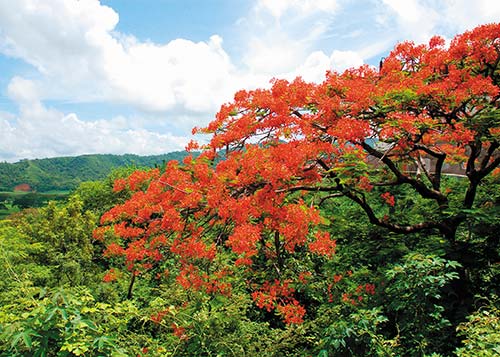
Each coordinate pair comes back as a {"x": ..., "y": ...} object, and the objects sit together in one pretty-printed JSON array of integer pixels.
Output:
[{"x": 134, "y": 76}]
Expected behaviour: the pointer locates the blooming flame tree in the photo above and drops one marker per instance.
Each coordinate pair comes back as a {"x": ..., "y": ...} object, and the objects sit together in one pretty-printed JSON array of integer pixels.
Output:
[{"x": 277, "y": 154}]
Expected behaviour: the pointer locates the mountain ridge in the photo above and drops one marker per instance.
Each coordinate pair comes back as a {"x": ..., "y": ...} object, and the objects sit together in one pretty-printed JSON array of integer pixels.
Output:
[{"x": 67, "y": 172}]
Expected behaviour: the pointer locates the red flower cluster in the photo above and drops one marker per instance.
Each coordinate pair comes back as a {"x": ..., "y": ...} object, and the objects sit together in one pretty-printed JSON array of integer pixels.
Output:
[
  {"x": 389, "y": 199},
  {"x": 279, "y": 296}
]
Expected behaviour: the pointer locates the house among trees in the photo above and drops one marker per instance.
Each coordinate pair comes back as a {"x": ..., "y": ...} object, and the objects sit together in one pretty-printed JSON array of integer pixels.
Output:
[{"x": 23, "y": 187}]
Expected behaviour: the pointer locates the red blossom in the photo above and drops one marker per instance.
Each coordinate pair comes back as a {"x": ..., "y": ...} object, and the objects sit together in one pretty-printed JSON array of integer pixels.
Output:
[
  {"x": 323, "y": 245},
  {"x": 292, "y": 313},
  {"x": 120, "y": 185},
  {"x": 370, "y": 289},
  {"x": 110, "y": 276},
  {"x": 179, "y": 331},
  {"x": 388, "y": 198}
]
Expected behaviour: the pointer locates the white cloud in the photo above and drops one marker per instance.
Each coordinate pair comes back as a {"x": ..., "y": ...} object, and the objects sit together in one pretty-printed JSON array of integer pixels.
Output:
[
  {"x": 277, "y": 8},
  {"x": 22, "y": 90},
  {"x": 74, "y": 46},
  {"x": 313, "y": 69},
  {"x": 26, "y": 94},
  {"x": 81, "y": 57},
  {"x": 39, "y": 131},
  {"x": 273, "y": 54},
  {"x": 317, "y": 63},
  {"x": 415, "y": 21},
  {"x": 342, "y": 60},
  {"x": 463, "y": 15},
  {"x": 281, "y": 34},
  {"x": 419, "y": 20}
]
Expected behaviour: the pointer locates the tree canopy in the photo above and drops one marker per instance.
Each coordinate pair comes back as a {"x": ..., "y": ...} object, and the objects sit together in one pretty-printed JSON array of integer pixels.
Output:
[{"x": 368, "y": 135}]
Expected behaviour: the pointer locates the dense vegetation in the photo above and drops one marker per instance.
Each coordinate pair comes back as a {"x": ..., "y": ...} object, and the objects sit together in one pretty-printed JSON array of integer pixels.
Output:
[
  {"x": 381, "y": 294},
  {"x": 66, "y": 173},
  {"x": 11, "y": 202},
  {"x": 310, "y": 225}
]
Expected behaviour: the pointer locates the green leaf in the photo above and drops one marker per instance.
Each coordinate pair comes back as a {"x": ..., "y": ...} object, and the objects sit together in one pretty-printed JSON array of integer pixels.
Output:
[
  {"x": 323, "y": 353},
  {"x": 40, "y": 353},
  {"x": 27, "y": 339},
  {"x": 103, "y": 341}
]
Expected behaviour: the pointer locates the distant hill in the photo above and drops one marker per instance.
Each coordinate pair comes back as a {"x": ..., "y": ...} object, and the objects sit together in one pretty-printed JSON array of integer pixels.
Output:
[{"x": 66, "y": 173}]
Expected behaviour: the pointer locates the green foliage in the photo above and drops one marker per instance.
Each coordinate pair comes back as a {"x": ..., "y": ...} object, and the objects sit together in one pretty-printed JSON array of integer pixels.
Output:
[
  {"x": 65, "y": 233},
  {"x": 479, "y": 241},
  {"x": 17, "y": 266},
  {"x": 414, "y": 294},
  {"x": 481, "y": 333},
  {"x": 98, "y": 196},
  {"x": 410, "y": 313},
  {"x": 64, "y": 324},
  {"x": 216, "y": 327},
  {"x": 358, "y": 334}
]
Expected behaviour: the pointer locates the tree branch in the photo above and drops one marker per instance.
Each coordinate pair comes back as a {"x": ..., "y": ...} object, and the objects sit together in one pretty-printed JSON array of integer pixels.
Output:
[
  {"x": 438, "y": 167},
  {"x": 491, "y": 150},
  {"x": 393, "y": 227},
  {"x": 421, "y": 165},
  {"x": 475, "y": 151},
  {"x": 489, "y": 168},
  {"x": 327, "y": 197},
  {"x": 309, "y": 188},
  {"x": 419, "y": 186}
]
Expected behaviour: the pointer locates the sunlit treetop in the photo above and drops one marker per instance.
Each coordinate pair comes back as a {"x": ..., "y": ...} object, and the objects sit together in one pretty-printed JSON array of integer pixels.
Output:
[{"x": 432, "y": 101}]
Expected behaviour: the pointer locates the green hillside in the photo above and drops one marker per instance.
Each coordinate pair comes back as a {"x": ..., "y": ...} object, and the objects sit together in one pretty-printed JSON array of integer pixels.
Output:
[{"x": 66, "y": 173}]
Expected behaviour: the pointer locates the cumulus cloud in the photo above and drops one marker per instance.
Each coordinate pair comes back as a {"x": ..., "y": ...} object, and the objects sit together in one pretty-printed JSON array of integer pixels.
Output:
[
  {"x": 39, "y": 131},
  {"x": 81, "y": 58},
  {"x": 317, "y": 63},
  {"x": 74, "y": 46},
  {"x": 23, "y": 90},
  {"x": 342, "y": 60},
  {"x": 414, "y": 20},
  {"x": 463, "y": 15},
  {"x": 281, "y": 35},
  {"x": 419, "y": 20},
  {"x": 273, "y": 54}
]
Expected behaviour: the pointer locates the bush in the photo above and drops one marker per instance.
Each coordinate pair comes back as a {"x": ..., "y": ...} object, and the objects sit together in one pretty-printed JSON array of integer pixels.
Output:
[{"x": 481, "y": 333}]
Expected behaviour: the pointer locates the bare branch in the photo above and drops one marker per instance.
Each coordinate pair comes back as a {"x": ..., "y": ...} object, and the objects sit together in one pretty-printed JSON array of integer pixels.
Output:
[
  {"x": 491, "y": 150},
  {"x": 327, "y": 197},
  {"x": 421, "y": 165},
  {"x": 393, "y": 227},
  {"x": 435, "y": 177},
  {"x": 418, "y": 185}
]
